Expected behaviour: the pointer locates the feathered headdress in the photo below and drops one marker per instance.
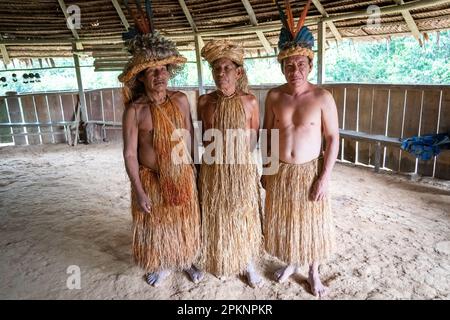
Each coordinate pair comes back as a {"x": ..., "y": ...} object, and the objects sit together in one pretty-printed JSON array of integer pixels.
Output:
[
  {"x": 294, "y": 39},
  {"x": 147, "y": 47}
]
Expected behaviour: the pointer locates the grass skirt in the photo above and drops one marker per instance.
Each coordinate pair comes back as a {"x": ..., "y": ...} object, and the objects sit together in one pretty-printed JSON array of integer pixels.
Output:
[{"x": 296, "y": 229}]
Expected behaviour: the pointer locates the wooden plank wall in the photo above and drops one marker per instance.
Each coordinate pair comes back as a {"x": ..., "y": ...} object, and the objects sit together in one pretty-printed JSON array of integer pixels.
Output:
[{"x": 399, "y": 111}]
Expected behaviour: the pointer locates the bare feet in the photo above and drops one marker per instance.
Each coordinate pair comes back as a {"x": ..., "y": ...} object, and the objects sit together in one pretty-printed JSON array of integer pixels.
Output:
[
  {"x": 281, "y": 275},
  {"x": 317, "y": 288},
  {"x": 195, "y": 274},
  {"x": 253, "y": 277},
  {"x": 156, "y": 278}
]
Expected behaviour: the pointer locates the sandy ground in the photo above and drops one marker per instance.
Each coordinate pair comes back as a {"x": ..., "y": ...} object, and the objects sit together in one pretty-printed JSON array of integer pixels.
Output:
[{"x": 63, "y": 206}]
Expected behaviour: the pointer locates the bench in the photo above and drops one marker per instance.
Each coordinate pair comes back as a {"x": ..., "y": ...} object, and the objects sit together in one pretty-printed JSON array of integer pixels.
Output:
[
  {"x": 378, "y": 140},
  {"x": 65, "y": 124}
]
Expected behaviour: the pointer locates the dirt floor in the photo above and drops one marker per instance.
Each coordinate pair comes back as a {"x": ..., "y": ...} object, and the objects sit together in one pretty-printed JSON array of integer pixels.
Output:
[{"x": 64, "y": 206}]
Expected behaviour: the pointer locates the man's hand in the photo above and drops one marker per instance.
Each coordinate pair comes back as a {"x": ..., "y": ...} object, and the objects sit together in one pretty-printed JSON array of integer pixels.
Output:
[
  {"x": 263, "y": 181},
  {"x": 144, "y": 202},
  {"x": 319, "y": 189}
]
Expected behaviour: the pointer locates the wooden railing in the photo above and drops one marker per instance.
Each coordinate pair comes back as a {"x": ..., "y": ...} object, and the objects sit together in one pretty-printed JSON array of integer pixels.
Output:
[{"x": 370, "y": 117}]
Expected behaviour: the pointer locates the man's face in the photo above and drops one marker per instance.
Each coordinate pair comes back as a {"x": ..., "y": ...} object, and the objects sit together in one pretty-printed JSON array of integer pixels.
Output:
[
  {"x": 225, "y": 73},
  {"x": 296, "y": 69},
  {"x": 155, "y": 78}
]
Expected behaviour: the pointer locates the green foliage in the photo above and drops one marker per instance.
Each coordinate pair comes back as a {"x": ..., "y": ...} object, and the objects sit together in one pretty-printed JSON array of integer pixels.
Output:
[{"x": 399, "y": 60}]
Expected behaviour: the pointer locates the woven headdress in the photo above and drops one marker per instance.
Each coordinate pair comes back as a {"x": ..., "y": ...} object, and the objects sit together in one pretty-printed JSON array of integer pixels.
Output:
[
  {"x": 295, "y": 40},
  {"x": 216, "y": 49},
  {"x": 147, "y": 47}
]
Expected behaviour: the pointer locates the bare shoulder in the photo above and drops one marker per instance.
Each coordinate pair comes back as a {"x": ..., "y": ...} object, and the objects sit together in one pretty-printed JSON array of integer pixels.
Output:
[
  {"x": 136, "y": 105},
  {"x": 176, "y": 94},
  {"x": 274, "y": 93},
  {"x": 180, "y": 98},
  {"x": 133, "y": 111},
  {"x": 277, "y": 90},
  {"x": 249, "y": 99},
  {"x": 325, "y": 98},
  {"x": 206, "y": 99},
  {"x": 321, "y": 92}
]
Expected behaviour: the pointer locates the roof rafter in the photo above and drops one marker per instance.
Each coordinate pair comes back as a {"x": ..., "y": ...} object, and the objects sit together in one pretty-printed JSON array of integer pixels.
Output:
[
  {"x": 191, "y": 21},
  {"x": 121, "y": 14},
  {"x": 410, "y": 22},
  {"x": 79, "y": 46},
  {"x": 266, "y": 44},
  {"x": 330, "y": 24}
]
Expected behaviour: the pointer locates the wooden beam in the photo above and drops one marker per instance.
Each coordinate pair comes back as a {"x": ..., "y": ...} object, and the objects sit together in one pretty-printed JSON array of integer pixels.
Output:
[
  {"x": 330, "y": 24},
  {"x": 419, "y": 4},
  {"x": 191, "y": 22},
  {"x": 188, "y": 15},
  {"x": 107, "y": 40},
  {"x": 198, "y": 45},
  {"x": 251, "y": 14},
  {"x": 66, "y": 15},
  {"x": 121, "y": 14},
  {"x": 266, "y": 44},
  {"x": 321, "y": 52},
  {"x": 201, "y": 89},
  {"x": 5, "y": 55},
  {"x": 411, "y": 23},
  {"x": 80, "y": 87}
]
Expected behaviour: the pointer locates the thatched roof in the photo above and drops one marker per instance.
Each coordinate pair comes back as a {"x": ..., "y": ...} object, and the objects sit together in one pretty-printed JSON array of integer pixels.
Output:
[{"x": 37, "y": 28}]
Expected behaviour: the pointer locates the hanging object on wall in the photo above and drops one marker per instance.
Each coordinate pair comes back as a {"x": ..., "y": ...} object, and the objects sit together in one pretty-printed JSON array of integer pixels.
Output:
[
  {"x": 31, "y": 77},
  {"x": 14, "y": 77},
  {"x": 3, "y": 81}
]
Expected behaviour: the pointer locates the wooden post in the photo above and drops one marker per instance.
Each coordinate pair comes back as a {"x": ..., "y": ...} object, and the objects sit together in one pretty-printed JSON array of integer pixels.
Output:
[
  {"x": 321, "y": 52},
  {"x": 201, "y": 90},
  {"x": 80, "y": 87},
  {"x": 81, "y": 95},
  {"x": 377, "y": 157}
]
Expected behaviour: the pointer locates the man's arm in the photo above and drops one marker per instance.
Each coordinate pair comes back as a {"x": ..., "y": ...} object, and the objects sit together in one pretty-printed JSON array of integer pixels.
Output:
[
  {"x": 130, "y": 146},
  {"x": 192, "y": 145},
  {"x": 331, "y": 134},
  {"x": 201, "y": 102},
  {"x": 254, "y": 126},
  {"x": 269, "y": 119}
]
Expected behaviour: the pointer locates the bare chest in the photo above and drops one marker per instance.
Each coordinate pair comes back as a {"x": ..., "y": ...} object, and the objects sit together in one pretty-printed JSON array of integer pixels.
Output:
[{"x": 298, "y": 114}]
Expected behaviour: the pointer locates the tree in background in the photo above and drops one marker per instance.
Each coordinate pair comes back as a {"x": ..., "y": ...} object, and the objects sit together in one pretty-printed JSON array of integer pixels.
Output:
[{"x": 399, "y": 60}]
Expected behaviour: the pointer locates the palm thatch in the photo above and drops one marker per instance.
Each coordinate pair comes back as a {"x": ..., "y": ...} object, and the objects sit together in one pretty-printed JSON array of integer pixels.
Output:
[{"x": 31, "y": 28}]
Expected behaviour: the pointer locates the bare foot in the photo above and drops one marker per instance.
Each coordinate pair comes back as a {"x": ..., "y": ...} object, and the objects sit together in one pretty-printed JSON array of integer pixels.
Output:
[
  {"x": 156, "y": 278},
  {"x": 195, "y": 274},
  {"x": 317, "y": 288},
  {"x": 281, "y": 275},
  {"x": 253, "y": 277}
]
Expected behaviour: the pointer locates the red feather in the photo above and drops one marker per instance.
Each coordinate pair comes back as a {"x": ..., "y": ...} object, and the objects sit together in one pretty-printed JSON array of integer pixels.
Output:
[
  {"x": 290, "y": 17},
  {"x": 140, "y": 21},
  {"x": 301, "y": 21}
]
